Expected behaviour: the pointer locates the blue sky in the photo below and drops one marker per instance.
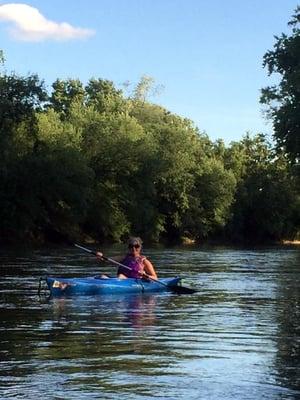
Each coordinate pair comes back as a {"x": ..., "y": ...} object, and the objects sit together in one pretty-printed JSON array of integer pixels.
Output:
[{"x": 207, "y": 54}]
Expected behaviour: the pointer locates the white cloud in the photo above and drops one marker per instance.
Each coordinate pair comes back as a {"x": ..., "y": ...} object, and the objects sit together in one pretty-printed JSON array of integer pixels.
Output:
[{"x": 28, "y": 24}]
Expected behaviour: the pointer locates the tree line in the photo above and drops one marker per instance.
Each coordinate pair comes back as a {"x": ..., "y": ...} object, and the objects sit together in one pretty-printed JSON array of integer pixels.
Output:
[{"x": 87, "y": 161}]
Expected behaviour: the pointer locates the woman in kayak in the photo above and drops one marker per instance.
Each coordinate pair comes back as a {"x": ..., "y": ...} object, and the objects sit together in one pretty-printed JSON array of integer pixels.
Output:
[{"x": 135, "y": 264}]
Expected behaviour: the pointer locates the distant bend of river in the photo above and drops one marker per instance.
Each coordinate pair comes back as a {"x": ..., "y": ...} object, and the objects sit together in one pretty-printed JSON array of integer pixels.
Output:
[{"x": 237, "y": 338}]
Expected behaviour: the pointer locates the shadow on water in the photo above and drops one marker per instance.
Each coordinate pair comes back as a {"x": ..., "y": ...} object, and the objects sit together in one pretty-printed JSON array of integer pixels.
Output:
[
  {"x": 238, "y": 338},
  {"x": 287, "y": 361}
]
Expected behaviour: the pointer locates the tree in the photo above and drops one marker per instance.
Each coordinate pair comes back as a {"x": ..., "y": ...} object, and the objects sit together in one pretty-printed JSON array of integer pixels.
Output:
[
  {"x": 21, "y": 99},
  {"x": 210, "y": 200},
  {"x": 145, "y": 88},
  {"x": 266, "y": 206},
  {"x": 64, "y": 94},
  {"x": 103, "y": 95},
  {"x": 283, "y": 99},
  {"x": 2, "y": 59},
  {"x": 113, "y": 145}
]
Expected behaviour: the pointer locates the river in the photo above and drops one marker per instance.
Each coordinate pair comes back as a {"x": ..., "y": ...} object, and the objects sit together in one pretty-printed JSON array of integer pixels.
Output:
[{"x": 237, "y": 338}]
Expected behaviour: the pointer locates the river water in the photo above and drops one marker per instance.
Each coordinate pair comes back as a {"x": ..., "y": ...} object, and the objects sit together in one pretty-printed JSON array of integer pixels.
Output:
[{"x": 237, "y": 338}]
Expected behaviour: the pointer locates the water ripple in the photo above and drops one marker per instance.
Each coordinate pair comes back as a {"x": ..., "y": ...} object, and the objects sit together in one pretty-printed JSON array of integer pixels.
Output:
[{"x": 237, "y": 338}]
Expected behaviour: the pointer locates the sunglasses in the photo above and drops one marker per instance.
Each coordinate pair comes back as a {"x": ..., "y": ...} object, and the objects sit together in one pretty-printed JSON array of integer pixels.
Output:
[{"x": 136, "y": 246}]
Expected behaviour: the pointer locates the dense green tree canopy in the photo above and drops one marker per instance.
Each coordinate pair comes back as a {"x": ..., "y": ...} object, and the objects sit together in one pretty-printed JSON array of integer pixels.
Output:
[
  {"x": 266, "y": 203},
  {"x": 283, "y": 99},
  {"x": 85, "y": 161}
]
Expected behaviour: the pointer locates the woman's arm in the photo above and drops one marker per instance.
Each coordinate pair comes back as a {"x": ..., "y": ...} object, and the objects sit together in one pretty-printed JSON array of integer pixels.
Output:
[{"x": 149, "y": 269}]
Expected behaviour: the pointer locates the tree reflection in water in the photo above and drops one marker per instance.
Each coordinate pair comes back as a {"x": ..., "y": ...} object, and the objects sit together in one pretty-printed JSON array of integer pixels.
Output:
[{"x": 288, "y": 337}]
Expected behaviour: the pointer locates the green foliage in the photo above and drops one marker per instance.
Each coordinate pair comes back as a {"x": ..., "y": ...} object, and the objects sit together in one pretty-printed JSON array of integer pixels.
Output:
[
  {"x": 88, "y": 162},
  {"x": 20, "y": 98},
  {"x": 283, "y": 100},
  {"x": 105, "y": 98},
  {"x": 64, "y": 94},
  {"x": 55, "y": 133},
  {"x": 2, "y": 59},
  {"x": 210, "y": 200},
  {"x": 266, "y": 204}
]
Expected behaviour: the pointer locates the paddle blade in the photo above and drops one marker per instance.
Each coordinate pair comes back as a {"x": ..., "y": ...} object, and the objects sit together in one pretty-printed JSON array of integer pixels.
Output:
[{"x": 182, "y": 289}]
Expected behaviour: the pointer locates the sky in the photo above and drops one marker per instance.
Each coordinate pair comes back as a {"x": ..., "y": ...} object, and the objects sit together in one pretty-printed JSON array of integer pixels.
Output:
[{"x": 206, "y": 54}]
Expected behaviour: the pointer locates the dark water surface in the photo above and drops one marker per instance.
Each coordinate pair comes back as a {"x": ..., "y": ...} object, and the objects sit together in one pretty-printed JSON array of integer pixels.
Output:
[{"x": 238, "y": 338}]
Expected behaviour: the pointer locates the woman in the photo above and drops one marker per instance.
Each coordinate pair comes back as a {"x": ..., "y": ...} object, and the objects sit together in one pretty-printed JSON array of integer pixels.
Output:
[{"x": 135, "y": 264}]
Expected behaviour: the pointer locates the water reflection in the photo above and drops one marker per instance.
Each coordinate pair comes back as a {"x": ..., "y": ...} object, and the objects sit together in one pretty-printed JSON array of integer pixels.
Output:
[
  {"x": 288, "y": 324},
  {"x": 136, "y": 309}
]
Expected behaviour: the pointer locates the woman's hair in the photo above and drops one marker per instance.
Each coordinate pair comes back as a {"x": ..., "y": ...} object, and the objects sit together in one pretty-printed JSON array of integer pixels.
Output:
[{"x": 135, "y": 240}]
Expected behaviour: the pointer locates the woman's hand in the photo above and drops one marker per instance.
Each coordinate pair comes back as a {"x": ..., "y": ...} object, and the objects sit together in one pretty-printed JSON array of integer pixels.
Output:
[
  {"x": 99, "y": 255},
  {"x": 142, "y": 275}
]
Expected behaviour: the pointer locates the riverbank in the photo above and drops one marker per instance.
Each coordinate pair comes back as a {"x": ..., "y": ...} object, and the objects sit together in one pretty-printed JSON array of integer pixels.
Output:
[{"x": 291, "y": 242}]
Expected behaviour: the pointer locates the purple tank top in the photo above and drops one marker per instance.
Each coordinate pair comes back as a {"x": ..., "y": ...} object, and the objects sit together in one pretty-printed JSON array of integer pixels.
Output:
[{"x": 135, "y": 264}]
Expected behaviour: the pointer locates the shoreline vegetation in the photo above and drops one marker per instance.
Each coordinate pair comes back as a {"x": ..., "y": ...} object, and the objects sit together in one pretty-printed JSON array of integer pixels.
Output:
[
  {"x": 93, "y": 160},
  {"x": 188, "y": 244},
  {"x": 88, "y": 162}
]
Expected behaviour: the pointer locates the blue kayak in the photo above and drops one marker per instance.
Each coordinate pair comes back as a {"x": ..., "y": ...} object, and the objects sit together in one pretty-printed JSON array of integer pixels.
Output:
[{"x": 96, "y": 285}]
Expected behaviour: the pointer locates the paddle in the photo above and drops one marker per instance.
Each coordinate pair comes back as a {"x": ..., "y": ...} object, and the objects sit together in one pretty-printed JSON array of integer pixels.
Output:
[{"x": 176, "y": 289}]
